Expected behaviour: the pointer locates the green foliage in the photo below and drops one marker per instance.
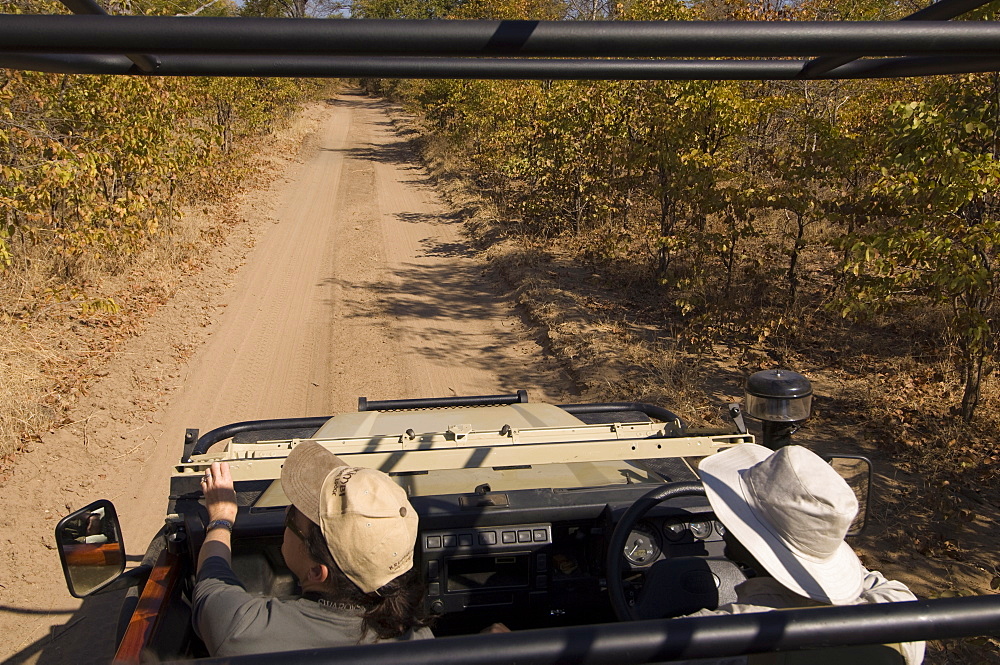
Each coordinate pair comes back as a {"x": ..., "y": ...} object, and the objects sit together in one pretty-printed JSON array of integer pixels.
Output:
[
  {"x": 940, "y": 237},
  {"x": 686, "y": 150},
  {"x": 293, "y": 8},
  {"x": 91, "y": 166}
]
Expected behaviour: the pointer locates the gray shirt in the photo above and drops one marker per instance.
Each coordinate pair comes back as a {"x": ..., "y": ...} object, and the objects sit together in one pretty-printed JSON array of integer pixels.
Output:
[{"x": 232, "y": 622}]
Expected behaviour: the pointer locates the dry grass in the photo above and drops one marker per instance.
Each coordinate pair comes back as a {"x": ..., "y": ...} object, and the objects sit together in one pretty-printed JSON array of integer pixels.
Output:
[
  {"x": 55, "y": 334},
  {"x": 22, "y": 381},
  {"x": 60, "y": 322}
]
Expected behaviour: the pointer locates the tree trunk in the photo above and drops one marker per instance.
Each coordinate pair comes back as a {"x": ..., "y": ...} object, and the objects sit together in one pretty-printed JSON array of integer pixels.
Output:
[
  {"x": 973, "y": 372},
  {"x": 793, "y": 279},
  {"x": 666, "y": 222}
]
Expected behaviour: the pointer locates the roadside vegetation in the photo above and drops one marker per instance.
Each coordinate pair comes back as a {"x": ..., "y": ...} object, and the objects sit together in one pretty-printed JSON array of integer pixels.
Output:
[
  {"x": 838, "y": 224},
  {"x": 102, "y": 184},
  {"x": 852, "y": 224}
]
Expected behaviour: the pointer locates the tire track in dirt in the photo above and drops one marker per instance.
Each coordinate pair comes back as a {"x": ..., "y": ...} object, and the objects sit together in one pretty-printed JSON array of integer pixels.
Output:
[{"x": 359, "y": 283}]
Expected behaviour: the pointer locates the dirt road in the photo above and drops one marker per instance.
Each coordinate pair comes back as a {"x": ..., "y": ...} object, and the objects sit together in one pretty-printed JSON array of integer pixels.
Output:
[{"x": 348, "y": 277}]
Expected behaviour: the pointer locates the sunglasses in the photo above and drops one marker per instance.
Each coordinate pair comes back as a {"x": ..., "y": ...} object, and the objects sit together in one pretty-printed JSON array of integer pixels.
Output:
[{"x": 292, "y": 526}]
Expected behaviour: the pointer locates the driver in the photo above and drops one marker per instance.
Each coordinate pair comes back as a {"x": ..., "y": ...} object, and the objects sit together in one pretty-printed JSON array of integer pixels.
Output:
[
  {"x": 786, "y": 514},
  {"x": 349, "y": 537}
]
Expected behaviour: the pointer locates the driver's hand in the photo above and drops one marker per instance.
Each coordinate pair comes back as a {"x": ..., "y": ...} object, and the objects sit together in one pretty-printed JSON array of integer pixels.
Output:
[{"x": 220, "y": 497}]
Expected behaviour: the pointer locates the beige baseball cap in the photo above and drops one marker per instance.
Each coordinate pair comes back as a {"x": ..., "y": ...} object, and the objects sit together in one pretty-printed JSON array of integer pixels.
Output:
[{"x": 367, "y": 521}]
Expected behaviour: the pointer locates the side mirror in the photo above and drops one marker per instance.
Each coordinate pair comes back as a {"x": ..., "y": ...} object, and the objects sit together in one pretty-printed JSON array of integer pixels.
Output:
[
  {"x": 857, "y": 471},
  {"x": 90, "y": 548}
]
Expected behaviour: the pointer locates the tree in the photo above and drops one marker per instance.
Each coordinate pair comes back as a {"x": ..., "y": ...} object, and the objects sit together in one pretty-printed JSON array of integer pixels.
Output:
[{"x": 939, "y": 241}]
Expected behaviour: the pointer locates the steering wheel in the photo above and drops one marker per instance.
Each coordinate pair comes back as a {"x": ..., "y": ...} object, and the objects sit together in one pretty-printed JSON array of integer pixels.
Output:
[{"x": 673, "y": 586}]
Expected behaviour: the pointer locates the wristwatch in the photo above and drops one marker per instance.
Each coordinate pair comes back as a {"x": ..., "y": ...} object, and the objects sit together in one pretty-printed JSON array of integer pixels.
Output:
[{"x": 219, "y": 524}]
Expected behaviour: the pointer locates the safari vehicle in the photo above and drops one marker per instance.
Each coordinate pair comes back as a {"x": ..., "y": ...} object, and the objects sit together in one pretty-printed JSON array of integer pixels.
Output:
[
  {"x": 583, "y": 527},
  {"x": 556, "y": 520},
  {"x": 517, "y": 501},
  {"x": 530, "y": 514}
]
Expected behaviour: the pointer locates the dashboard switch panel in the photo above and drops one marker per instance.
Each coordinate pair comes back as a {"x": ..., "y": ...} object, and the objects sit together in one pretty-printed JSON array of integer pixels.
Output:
[{"x": 480, "y": 567}]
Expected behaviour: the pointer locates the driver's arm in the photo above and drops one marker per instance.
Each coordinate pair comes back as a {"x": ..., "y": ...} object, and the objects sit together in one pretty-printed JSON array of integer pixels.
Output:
[{"x": 220, "y": 499}]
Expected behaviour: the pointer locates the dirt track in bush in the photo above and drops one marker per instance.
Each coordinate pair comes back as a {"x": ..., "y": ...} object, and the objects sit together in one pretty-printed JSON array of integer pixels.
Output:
[{"x": 345, "y": 277}]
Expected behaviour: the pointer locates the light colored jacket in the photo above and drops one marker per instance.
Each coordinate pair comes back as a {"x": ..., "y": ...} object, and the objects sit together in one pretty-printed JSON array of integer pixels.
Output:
[{"x": 764, "y": 594}]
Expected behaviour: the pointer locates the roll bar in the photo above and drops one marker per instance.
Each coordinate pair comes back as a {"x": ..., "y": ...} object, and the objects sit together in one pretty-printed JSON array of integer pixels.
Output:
[
  {"x": 456, "y": 38},
  {"x": 201, "y": 444},
  {"x": 671, "y": 639},
  {"x": 921, "y": 44},
  {"x": 538, "y": 69}
]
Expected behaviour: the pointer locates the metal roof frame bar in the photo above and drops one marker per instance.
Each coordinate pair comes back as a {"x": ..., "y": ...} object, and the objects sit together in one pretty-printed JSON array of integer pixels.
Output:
[
  {"x": 939, "y": 11},
  {"x": 81, "y": 34},
  {"x": 922, "y": 44},
  {"x": 682, "y": 638},
  {"x": 495, "y": 68}
]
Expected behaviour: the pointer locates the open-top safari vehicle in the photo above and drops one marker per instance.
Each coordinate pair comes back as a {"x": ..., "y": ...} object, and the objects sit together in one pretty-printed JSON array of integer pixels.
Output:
[
  {"x": 557, "y": 520},
  {"x": 582, "y": 527}
]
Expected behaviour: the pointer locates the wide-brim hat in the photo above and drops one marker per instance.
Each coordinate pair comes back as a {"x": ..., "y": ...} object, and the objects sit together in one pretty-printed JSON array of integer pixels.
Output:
[
  {"x": 367, "y": 521},
  {"x": 791, "y": 511}
]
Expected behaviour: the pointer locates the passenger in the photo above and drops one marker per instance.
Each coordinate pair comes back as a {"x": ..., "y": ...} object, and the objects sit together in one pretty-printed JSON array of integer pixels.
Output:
[
  {"x": 95, "y": 529},
  {"x": 786, "y": 514},
  {"x": 349, "y": 537}
]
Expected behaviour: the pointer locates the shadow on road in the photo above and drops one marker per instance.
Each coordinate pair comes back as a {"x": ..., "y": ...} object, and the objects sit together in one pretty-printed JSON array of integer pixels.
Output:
[
  {"x": 435, "y": 304},
  {"x": 86, "y": 637}
]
